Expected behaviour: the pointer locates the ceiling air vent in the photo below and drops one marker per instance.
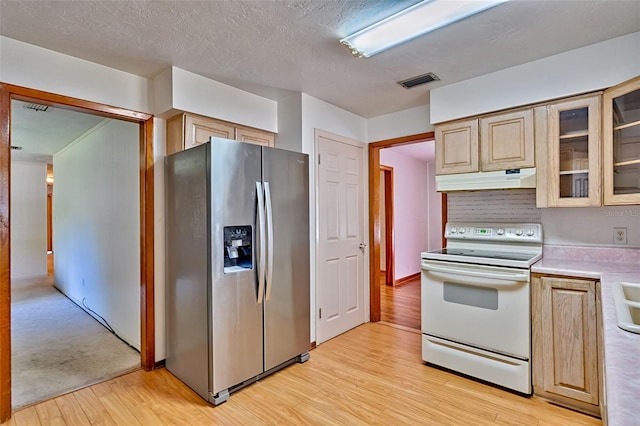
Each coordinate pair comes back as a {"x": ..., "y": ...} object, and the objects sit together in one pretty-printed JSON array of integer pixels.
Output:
[
  {"x": 418, "y": 80},
  {"x": 36, "y": 107}
]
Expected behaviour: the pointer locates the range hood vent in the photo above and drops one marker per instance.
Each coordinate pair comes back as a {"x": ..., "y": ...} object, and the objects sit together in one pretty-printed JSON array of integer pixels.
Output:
[
  {"x": 418, "y": 80},
  {"x": 505, "y": 179}
]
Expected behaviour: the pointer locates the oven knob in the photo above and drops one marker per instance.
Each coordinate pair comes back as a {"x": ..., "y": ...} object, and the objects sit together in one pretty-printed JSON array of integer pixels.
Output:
[
  {"x": 463, "y": 230},
  {"x": 530, "y": 232},
  {"x": 454, "y": 230},
  {"x": 500, "y": 231},
  {"x": 518, "y": 232}
]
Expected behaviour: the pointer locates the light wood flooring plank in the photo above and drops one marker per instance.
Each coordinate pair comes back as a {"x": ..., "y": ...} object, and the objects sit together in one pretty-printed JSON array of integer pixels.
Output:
[
  {"x": 26, "y": 417},
  {"x": 134, "y": 402},
  {"x": 126, "y": 394},
  {"x": 318, "y": 409},
  {"x": 49, "y": 413},
  {"x": 509, "y": 403},
  {"x": 401, "y": 304},
  {"x": 114, "y": 405},
  {"x": 71, "y": 410},
  {"x": 93, "y": 408},
  {"x": 269, "y": 405},
  {"x": 372, "y": 375}
]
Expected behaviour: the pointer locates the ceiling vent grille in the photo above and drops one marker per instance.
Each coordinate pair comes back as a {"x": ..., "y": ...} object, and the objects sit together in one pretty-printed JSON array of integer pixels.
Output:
[
  {"x": 418, "y": 80},
  {"x": 36, "y": 107}
]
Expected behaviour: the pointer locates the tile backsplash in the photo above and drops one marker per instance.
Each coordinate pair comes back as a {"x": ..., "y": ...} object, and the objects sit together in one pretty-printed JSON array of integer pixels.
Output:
[
  {"x": 493, "y": 206},
  {"x": 580, "y": 226}
]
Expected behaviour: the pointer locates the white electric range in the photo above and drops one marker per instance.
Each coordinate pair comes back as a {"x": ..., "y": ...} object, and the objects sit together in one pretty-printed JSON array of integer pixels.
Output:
[{"x": 476, "y": 315}]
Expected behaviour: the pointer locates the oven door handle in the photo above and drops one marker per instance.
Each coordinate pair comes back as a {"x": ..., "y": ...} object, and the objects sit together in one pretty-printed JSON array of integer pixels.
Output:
[{"x": 474, "y": 272}]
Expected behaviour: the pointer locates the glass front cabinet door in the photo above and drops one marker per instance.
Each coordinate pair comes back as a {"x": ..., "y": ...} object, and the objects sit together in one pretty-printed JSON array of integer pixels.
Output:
[
  {"x": 621, "y": 150},
  {"x": 574, "y": 152}
]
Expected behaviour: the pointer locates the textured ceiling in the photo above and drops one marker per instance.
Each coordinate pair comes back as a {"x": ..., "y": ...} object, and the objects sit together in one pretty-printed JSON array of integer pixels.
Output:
[
  {"x": 41, "y": 134},
  {"x": 274, "y": 48}
]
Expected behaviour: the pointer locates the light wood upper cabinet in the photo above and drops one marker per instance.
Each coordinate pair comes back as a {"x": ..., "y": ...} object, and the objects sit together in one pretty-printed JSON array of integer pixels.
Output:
[
  {"x": 489, "y": 143},
  {"x": 457, "y": 147},
  {"x": 565, "y": 341},
  {"x": 621, "y": 143},
  {"x": 258, "y": 137},
  {"x": 506, "y": 141},
  {"x": 186, "y": 130},
  {"x": 198, "y": 130},
  {"x": 571, "y": 153}
]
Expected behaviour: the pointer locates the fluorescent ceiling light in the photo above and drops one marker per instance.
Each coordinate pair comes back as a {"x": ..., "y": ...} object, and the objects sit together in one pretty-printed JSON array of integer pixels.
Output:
[{"x": 419, "y": 19}]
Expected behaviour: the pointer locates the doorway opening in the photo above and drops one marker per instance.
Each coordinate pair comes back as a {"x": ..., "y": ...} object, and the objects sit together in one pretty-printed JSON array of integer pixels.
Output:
[
  {"x": 387, "y": 224},
  {"x": 49, "y": 181},
  {"x": 401, "y": 298},
  {"x": 145, "y": 130}
]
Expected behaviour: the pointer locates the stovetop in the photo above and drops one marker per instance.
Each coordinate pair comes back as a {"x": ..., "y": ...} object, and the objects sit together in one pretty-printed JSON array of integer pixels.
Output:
[
  {"x": 484, "y": 257},
  {"x": 500, "y": 244}
]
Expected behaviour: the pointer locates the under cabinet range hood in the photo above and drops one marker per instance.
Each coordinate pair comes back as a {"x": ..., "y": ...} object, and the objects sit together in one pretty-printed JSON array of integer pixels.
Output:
[{"x": 504, "y": 179}]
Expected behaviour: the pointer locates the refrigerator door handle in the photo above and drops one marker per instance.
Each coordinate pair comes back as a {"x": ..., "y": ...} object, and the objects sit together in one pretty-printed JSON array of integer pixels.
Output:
[
  {"x": 267, "y": 192},
  {"x": 262, "y": 236}
]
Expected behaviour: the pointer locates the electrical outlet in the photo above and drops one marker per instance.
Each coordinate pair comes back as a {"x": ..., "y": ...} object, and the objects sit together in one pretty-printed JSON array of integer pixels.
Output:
[{"x": 619, "y": 235}]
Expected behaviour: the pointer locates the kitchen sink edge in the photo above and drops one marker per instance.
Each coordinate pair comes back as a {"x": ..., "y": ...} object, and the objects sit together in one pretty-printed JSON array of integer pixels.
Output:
[{"x": 626, "y": 297}]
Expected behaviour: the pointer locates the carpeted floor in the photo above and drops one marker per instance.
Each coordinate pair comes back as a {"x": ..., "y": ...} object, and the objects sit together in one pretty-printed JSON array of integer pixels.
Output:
[{"x": 57, "y": 347}]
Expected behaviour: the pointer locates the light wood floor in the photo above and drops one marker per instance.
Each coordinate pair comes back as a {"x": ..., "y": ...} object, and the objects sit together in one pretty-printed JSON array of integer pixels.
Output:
[
  {"x": 400, "y": 305},
  {"x": 372, "y": 375}
]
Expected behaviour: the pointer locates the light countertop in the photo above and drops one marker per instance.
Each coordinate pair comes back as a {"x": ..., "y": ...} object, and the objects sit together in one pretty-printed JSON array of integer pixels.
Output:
[{"x": 621, "y": 348}]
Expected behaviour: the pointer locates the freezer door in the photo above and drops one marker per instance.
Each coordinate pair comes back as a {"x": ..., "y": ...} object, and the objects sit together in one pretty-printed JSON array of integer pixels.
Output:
[
  {"x": 186, "y": 261},
  {"x": 286, "y": 182},
  {"x": 237, "y": 352}
]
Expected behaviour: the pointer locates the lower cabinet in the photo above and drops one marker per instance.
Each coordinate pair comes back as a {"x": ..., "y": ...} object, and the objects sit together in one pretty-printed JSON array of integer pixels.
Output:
[{"x": 566, "y": 338}]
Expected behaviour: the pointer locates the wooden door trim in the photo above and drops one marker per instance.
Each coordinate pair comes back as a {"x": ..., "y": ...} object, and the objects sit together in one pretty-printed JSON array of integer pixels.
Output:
[
  {"x": 389, "y": 236},
  {"x": 145, "y": 121},
  {"x": 374, "y": 214},
  {"x": 49, "y": 223}
]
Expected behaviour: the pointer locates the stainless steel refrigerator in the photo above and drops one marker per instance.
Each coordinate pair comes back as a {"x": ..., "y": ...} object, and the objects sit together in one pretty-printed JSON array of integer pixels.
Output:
[{"x": 237, "y": 264}]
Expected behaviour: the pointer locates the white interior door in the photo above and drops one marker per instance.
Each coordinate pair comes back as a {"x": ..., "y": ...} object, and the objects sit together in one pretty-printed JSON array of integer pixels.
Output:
[{"x": 340, "y": 283}]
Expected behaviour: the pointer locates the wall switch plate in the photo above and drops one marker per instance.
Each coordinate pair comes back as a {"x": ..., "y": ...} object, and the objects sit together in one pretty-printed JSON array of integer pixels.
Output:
[{"x": 619, "y": 235}]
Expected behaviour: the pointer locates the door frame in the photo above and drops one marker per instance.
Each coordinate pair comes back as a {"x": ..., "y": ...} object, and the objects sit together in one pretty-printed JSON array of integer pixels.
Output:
[
  {"x": 147, "y": 309},
  {"x": 389, "y": 230},
  {"x": 374, "y": 214}
]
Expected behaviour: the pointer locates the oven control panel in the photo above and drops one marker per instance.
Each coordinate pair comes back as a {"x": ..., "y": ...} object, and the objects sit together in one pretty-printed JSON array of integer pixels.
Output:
[{"x": 530, "y": 232}]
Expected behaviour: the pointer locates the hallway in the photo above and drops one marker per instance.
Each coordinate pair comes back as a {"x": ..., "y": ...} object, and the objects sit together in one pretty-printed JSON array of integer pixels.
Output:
[
  {"x": 400, "y": 305},
  {"x": 57, "y": 347}
]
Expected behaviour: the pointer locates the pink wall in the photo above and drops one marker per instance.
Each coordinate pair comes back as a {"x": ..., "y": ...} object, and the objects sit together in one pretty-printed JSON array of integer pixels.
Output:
[
  {"x": 383, "y": 241},
  {"x": 434, "y": 210},
  {"x": 416, "y": 210}
]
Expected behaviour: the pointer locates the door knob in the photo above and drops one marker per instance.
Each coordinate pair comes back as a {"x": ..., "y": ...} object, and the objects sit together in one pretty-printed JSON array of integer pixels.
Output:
[{"x": 363, "y": 246}]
